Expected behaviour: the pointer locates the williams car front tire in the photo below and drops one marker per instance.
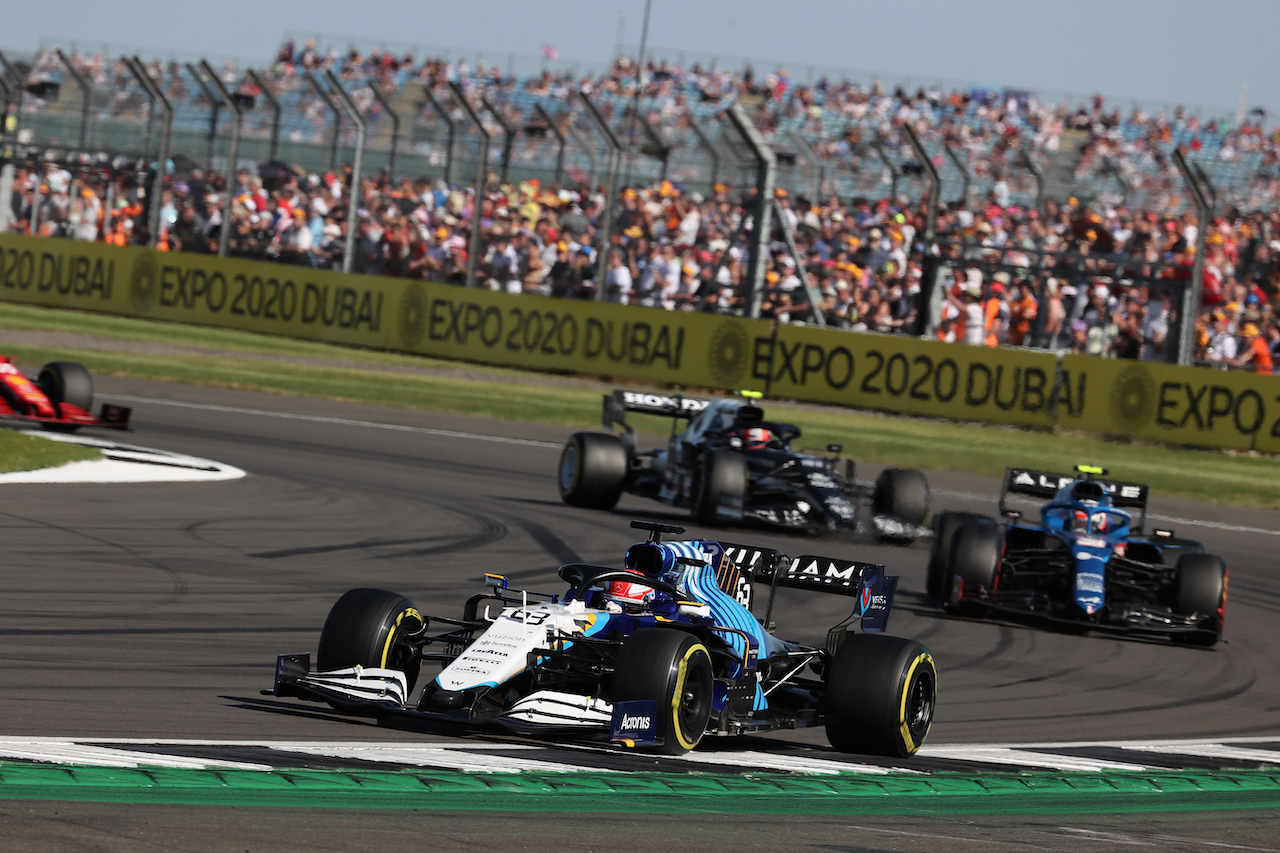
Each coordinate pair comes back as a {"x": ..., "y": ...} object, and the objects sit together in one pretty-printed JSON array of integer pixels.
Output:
[
  {"x": 371, "y": 628},
  {"x": 674, "y": 669}
]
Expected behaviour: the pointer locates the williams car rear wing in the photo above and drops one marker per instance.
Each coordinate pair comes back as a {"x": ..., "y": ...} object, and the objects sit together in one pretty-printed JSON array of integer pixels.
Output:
[
  {"x": 865, "y": 581},
  {"x": 1041, "y": 484},
  {"x": 617, "y": 404}
]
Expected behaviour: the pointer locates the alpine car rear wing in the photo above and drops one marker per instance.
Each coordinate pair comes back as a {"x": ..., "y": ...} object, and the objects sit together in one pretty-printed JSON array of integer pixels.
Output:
[
  {"x": 865, "y": 581},
  {"x": 1041, "y": 484},
  {"x": 617, "y": 404}
]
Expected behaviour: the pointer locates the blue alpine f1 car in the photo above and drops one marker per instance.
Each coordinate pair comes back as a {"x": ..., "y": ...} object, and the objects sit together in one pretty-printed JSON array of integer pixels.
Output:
[
  {"x": 1087, "y": 561},
  {"x": 655, "y": 654}
]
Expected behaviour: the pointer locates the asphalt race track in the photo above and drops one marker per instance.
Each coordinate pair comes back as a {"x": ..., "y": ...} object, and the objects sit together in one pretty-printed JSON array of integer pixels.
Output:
[{"x": 155, "y": 611}]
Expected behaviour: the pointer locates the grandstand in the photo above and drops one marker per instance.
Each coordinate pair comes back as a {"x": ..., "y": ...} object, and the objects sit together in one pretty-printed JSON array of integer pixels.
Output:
[{"x": 1045, "y": 201}]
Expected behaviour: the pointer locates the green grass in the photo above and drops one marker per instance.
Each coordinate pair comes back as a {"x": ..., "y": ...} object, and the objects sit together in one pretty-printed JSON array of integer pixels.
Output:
[
  {"x": 1214, "y": 476},
  {"x": 20, "y": 452}
]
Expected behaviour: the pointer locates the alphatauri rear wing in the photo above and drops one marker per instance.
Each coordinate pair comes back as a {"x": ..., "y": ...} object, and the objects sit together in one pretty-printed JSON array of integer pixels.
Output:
[{"x": 617, "y": 404}]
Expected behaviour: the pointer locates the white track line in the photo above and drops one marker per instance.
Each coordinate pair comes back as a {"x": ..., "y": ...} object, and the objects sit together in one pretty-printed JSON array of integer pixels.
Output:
[
  {"x": 70, "y": 752},
  {"x": 448, "y": 433},
  {"x": 233, "y": 410},
  {"x": 1025, "y": 758}
]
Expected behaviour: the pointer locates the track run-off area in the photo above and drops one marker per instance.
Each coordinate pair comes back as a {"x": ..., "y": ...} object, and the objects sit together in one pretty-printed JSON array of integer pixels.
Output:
[{"x": 142, "y": 620}]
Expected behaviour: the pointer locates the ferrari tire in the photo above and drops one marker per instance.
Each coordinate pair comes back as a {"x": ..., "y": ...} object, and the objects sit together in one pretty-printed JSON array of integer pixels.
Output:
[
  {"x": 674, "y": 669},
  {"x": 937, "y": 581},
  {"x": 593, "y": 470},
  {"x": 881, "y": 694},
  {"x": 66, "y": 382},
  {"x": 1200, "y": 589},
  {"x": 974, "y": 558},
  {"x": 902, "y": 493},
  {"x": 370, "y": 628},
  {"x": 722, "y": 480}
]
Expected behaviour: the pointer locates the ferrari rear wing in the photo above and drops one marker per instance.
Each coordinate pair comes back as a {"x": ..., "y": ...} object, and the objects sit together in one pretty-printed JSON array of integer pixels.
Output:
[
  {"x": 617, "y": 404},
  {"x": 1041, "y": 484},
  {"x": 865, "y": 581}
]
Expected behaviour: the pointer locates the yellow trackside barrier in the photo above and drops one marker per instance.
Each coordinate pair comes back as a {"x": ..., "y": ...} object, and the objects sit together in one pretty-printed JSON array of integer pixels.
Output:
[
  {"x": 1178, "y": 405},
  {"x": 894, "y": 374},
  {"x": 919, "y": 377},
  {"x": 471, "y": 324}
]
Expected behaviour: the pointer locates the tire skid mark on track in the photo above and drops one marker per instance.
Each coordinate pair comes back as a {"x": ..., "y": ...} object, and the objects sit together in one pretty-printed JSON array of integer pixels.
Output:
[{"x": 177, "y": 583}]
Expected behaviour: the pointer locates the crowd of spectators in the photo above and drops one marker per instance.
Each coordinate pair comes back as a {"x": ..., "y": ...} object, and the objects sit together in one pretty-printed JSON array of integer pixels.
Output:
[{"x": 859, "y": 261}]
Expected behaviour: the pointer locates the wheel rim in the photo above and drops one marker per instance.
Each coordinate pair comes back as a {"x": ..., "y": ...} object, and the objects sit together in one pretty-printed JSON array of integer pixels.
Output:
[
  {"x": 568, "y": 467},
  {"x": 695, "y": 699},
  {"x": 920, "y": 697}
]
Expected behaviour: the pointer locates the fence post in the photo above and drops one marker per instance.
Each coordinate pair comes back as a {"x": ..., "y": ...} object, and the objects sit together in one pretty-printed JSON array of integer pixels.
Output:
[
  {"x": 19, "y": 94},
  {"x": 357, "y": 165},
  {"x": 766, "y": 175},
  {"x": 86, "y": 97},
  {"x": 162, "y": 158},
  {"x": 508, "y": 137},
  {"x": 482, "y": 174},
  {"x": 894, "y": 174},
  {"x": 935, "y": 184},
  {"x": 216, "y": 103},
  {"x": 395, "y": 123},
  {"x": 1191, "y": 293},
  {"x": 337, "y": 120},
  {"x": 233, "y": 153},
  {"x": 711, "y": 149},
  {"x": 551, "y": 126},
  {"x": 1035, "y": 174},
  {"x": 611, "y": 191},
  {"x": 964, "y": 172},
  {"x": 451, "y": 130},
  {"x": 274, "y": 148}
]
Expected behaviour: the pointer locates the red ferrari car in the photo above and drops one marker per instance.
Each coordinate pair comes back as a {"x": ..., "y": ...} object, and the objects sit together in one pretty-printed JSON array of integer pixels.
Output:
[{"x": 59, "y": 399}]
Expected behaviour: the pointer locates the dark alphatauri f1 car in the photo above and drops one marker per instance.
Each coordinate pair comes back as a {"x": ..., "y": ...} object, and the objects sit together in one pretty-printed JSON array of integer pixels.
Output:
[
  {"x": 60, "y": 398},
  {"x": 656, "y": 654},
  {"x": 1087, "y": 561},
  {"x": 728, "y": 464}
]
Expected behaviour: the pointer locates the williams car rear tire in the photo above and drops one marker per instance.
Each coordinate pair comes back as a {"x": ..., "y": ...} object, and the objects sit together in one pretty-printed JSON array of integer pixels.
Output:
[
  {"x": 938, "y": 575},
  {"x": 1200, "y": 588},
  {"x": 370, "y": 628},
  {"x": 593, "y": 470},
  {"x": 881, "y": 693},
  {"x": 902, "y": 493},
  {"x": 66, "y": 382},
  {"x": 974, "y": 559},
  {"x": 674, "y": 669},
  {"x": 722, "y": 481}
]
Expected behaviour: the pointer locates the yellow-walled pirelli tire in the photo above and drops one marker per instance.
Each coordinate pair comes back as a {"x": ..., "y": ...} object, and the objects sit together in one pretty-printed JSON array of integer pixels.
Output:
[
  {"x": 881, "y": 692},
  {"x": 674, "y": 669},
  {"x": 593, "y": 470},
  {"x": 370, "y": 627}
]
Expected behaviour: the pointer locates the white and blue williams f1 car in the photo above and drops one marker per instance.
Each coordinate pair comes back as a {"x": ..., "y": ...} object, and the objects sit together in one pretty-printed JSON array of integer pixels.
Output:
[
  {"x": 654, "y": 655},
  {"x": 1087, "y": 561}
]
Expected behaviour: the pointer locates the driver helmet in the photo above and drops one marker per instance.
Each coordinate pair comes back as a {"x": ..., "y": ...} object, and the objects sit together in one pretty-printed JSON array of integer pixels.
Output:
[
  {"x": 642, "y": 560},
  {"x": 1080, "y": 521},
  {"x": 1099, "y": 522},
  {"x": 756, "y": 438}
]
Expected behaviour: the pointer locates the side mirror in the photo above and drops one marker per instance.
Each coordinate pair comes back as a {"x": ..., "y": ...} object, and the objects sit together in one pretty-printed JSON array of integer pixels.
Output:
[
  {"x": 495, "y": 581},
  {"x": 835, "y": 448}
]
